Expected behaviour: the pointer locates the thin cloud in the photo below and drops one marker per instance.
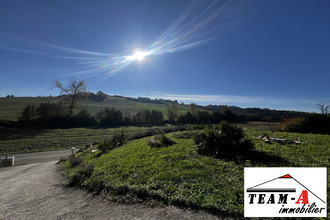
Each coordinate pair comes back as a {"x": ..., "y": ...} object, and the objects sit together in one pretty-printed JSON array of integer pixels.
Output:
[
  {"x": 21, "y": 50},
  {"x": 308, "y": 105}
]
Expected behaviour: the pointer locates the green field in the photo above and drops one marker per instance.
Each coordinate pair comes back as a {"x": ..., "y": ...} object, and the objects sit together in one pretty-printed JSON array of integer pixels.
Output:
[
  {"x": 20, "y": 140},
  {"x": 10, "y": 108},
  {"x": 177, "y": 175}
]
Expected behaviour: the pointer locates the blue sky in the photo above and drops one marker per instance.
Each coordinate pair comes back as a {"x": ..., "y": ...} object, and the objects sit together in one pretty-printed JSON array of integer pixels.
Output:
[{"x": 268, "y": 54}]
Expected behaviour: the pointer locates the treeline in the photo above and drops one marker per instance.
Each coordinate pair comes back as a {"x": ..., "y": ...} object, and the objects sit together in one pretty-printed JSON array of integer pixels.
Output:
[
  {"x": 57, "y": 115},
  {"x": 243, "y": 114},
  {"x": 204, "y": 117},
  {"x": 257, "y": 114},
  {"x": 148, "y": 100},
  {"x": 54, "y": 115}
]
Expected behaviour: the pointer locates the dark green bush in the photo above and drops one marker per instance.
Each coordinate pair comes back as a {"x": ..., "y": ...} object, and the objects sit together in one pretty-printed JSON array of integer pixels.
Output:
[
  {"x": 117, "y": 140},
  {"x": 314, "y": 123},
  {"x": 223, "y": 141},
  {"x": 160, "y": 141}
]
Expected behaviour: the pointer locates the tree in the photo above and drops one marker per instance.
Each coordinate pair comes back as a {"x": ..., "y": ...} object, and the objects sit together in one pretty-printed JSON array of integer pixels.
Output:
[
  {"x": 28, "y": 113},
  {"x": 172, "y": 111},
  {"x": 157, "y": 117},
  {"x": 229, "y": 116},
  {"x": 98, "y": 97},
  {"x": 193, "y": 109},
  {"x": 110, "y": 116},
  {"x": 323, "y": 108},
  {"x": 50, "y": 110},
  {"x": 74, "y": 92}
]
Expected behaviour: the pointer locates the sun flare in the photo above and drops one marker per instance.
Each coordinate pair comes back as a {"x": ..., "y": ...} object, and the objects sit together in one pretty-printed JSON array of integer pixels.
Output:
[{"x": 138, "y": 55}]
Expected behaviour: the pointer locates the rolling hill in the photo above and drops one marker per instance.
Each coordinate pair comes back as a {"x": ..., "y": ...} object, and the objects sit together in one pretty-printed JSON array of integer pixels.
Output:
[{"x": 11, "y": 107}]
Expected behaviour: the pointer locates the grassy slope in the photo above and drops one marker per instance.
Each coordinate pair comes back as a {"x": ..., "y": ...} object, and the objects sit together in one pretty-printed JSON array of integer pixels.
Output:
[
  {"x": 10, "y": 108},
  {"x": 177, "y": 175}
]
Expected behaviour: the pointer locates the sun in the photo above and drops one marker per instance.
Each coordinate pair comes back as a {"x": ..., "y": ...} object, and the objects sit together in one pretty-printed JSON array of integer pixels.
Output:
[{"x": 138, "y": 55}]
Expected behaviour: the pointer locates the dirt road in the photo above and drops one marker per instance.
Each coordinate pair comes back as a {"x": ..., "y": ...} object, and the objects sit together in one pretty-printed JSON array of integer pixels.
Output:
[{"x": 36, "y": 191}]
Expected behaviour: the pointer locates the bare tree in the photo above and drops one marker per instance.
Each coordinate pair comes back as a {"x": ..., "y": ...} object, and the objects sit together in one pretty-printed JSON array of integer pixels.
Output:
[
  {"x": 74, "y": 92},
  {"x": 323, "y": 108}
]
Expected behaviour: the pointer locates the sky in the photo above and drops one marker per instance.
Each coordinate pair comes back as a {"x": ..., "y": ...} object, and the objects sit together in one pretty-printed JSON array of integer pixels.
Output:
[{"x": 267, "y": 54}]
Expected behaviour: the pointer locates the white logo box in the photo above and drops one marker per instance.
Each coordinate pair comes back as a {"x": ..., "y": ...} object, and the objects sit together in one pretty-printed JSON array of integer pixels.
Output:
[{"x": 285, "y": 192}]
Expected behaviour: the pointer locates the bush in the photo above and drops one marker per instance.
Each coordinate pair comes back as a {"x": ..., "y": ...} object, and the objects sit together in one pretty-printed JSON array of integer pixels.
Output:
[
  {"x": 314, "y": 123},
  {"x": 223, "y": 141},
  {"x": 75, "y": 161},
  {"x": 117, "y": 140},
  {"x": 160, "y": 141}
]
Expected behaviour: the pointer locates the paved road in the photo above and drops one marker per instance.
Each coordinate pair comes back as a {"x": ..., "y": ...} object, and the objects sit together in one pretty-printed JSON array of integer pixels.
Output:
[
  {"x": 38, "y": 157},
  {"x": 36, "y": 191}
]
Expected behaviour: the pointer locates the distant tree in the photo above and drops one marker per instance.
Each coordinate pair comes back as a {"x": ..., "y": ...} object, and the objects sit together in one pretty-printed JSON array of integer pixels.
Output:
[
  {"x": 187, "y": 118},
  {"x": 193, "y": 109},
  {"x": 217, "y": 117},
  {"x": 110, "y": 116},
  {"x": 28, "y": 113},
  {"x": 203, "y": 117},
  {"x": 172, "y": 111},
  {"x": 50, "y": 110},
  {"x": 98, "y": 97},
  {"x": 229, "y": 116},
  {"x": 74, "y": 92},
  {"x": 323, "y": 108},
  {"x": 157, "y": 117},
  {"x": 84, "y": 118}
]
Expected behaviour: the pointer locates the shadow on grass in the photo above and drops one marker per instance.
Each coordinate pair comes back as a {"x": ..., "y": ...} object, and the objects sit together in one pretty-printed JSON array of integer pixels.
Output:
[
  {"x": 13, "y": 133},
  {"x": 265, "y": 158},
  {"x": 99, "y": 154}
]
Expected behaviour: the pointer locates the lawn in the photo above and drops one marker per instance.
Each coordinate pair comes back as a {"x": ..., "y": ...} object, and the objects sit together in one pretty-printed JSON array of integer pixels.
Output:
[{"x": 177, "y": 175}]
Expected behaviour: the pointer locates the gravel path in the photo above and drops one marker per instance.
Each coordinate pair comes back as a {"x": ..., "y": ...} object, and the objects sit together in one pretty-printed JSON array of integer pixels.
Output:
[{"x": 36, "y": 191}]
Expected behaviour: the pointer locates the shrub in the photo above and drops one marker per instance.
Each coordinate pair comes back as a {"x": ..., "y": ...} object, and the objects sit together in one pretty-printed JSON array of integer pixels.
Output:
[
  {"x": 223, "y": 141},
  {"x": 160, "y": 141},
  {"x": 314, "y": 123},
  {"x": 75, "y": 161},
  {"x": 117, "y": 140}
]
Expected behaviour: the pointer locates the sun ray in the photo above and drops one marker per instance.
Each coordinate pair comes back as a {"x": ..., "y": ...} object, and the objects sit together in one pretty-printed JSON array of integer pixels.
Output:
[{"x": 196, "y": 26}]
